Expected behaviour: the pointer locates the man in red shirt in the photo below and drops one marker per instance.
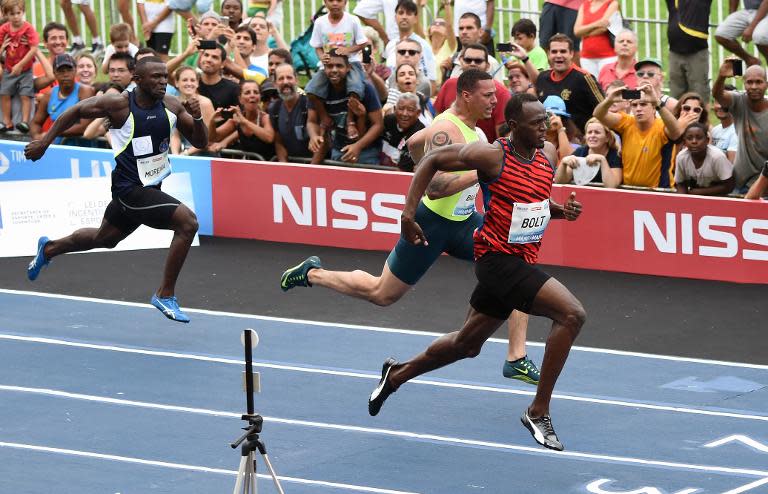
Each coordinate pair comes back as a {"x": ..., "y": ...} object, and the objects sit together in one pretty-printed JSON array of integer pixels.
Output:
[
  {"x": 624, "y": 67},
  {"x": 475, "y": 56}
]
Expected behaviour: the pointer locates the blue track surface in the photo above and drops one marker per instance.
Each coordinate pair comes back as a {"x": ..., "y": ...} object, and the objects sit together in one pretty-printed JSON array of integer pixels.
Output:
[{"x": 112, "y": 397}]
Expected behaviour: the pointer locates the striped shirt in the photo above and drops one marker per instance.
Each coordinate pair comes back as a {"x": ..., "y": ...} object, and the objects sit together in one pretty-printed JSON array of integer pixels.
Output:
[{"x": 521, "y": 182}]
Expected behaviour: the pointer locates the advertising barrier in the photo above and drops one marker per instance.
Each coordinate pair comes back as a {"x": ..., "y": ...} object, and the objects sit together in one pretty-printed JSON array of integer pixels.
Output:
[
  {"x": 630, "y": 231},
  {"x": 619, "y": 230},
  {"x": 76, "y": 162},
  {"x": 56, "y": 208}
]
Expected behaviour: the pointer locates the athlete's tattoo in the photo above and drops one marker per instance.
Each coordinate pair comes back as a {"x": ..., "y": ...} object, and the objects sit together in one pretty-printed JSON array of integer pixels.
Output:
[
  {"x": 438, "y": 140},
  {"x": 442, "y": 181}
]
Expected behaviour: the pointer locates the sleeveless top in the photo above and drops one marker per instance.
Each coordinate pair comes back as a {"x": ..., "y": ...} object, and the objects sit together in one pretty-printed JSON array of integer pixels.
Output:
[
  {"x": 57, "y": 105},
  {"x": 141, "y": 147},
  {"x": 516, "y": 206},
  {"x": 253, "y": 144},
  {"x": 596, "y": 45},
  {"x": 461, "y": 205}
]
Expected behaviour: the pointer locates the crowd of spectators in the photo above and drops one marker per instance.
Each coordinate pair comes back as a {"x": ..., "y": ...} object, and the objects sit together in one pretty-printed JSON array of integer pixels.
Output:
[{"x": 615, "y": 119}]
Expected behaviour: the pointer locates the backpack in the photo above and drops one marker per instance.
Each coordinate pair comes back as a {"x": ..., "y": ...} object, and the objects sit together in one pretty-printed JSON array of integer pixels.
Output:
[{"x": 303, "y": 55}]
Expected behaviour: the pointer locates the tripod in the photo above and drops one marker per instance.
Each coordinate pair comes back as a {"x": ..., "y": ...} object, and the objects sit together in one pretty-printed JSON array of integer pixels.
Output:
[{"x": 246, "y": 474}]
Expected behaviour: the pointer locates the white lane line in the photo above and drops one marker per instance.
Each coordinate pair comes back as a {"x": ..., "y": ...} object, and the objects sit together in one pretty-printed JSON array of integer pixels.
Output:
[
  {"x": 380, "y": 329},
  {"x": 192, "y": 468},
  {"x": 363, "y": 375},
  {"x": 748, "y": 487},
  {"x": 392, "y": 433}
]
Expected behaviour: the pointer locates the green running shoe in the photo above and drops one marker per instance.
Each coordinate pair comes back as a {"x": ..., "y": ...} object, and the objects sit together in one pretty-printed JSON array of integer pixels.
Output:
[
  {"x": 523, "y": 370},
  {"x": 297, "y": 275}
]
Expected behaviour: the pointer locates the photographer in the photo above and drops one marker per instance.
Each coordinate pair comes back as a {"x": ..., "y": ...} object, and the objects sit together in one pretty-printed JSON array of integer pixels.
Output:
[{"x": 643, "y": 134}]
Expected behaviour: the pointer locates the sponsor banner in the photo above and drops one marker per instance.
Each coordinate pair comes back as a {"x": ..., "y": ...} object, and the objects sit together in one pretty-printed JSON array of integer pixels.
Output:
[
  {"x": 662, "y": 234},
  {"x": 318, "y": 205},
  {"x": 56, "y": 208},
  {"x": 78, "y": 162},
  {"x": 638, "y": 232}
]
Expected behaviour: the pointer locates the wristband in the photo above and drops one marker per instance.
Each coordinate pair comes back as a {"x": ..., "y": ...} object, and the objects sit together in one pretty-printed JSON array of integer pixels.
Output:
[
  {"x": 765, "y": 170},
  {"x": 525, "y": 59},
  {"x": 198, "y": 119}
]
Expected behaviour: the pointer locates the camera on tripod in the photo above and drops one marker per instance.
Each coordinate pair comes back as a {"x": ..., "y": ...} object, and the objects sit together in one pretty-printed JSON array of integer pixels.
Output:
[{"x": 250, "y": 442}]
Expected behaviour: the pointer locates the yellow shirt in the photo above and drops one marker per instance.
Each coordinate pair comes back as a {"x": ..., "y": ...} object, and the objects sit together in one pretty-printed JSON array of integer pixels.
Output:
[{"x": 641, "y": 151}]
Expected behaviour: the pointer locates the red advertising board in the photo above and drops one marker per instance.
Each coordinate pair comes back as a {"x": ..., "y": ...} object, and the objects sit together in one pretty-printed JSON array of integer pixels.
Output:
[{"x": 637, "y": 232}]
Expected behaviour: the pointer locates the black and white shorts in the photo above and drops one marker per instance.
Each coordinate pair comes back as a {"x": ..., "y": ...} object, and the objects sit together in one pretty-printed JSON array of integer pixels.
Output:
[
  {"x": 141, "y": 206},
  {"x": 505, "y": 283}
]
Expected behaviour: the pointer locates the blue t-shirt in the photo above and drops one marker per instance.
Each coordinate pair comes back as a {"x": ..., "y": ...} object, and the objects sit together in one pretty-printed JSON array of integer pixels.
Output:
[{"x": 613, "y": 158}]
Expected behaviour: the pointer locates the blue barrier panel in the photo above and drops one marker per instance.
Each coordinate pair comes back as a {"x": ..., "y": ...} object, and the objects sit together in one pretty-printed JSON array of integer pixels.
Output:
[{"x": 76, "y": 162}]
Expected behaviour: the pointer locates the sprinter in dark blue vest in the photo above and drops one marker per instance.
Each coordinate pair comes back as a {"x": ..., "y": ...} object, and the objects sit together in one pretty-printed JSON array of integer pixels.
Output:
[{"x": 142, "y": 122}]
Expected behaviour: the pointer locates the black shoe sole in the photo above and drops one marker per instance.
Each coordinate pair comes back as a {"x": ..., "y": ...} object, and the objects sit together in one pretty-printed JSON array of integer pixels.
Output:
[{"x": 374, "y": 406}]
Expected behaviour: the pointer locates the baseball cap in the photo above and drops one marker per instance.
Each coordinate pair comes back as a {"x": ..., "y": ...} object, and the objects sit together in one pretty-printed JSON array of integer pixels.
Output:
[
  {"x": 211, "y": 14},
  {"x": 556, "y": 105},
  {"x": 267, "y": 87},
  {"x": 645, "y": 61},
  {"x": 63, "y": 60}
]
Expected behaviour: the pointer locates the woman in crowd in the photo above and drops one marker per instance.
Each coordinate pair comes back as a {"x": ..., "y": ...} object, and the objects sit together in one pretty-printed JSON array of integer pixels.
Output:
[
  {"x": 443, "y": 41},
  {"x": 601, "y": 150},
  {"x": 407, "y": 80},
  {"x": 519, "y": 81},
  {"x": 86, "y": 69},
  {"x": 233, "y": 9},
  {"x": 248, "y": 122},
  {"x": 187, "y": 82},
  {"x": 690, "y": 108},
  {"x": 561, "y": 130},
  {"x": 591, "y": 26}
]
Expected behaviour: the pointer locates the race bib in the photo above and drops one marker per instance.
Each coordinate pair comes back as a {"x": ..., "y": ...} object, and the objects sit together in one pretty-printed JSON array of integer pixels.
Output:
[
  {"x": 153, "y": 169},
  {"x": 466, "y": 203},
  {"x": 528, "y": 222}
]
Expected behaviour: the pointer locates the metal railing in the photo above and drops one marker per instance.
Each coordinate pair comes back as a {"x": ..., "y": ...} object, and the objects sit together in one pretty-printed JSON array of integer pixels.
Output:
[{"x": 647, "y": 17}]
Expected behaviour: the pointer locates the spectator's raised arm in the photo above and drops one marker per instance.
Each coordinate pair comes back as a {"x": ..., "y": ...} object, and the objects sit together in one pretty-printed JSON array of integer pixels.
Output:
[
  {"x": 725, "y": 98},
  {"x": 603, "y": 110}
]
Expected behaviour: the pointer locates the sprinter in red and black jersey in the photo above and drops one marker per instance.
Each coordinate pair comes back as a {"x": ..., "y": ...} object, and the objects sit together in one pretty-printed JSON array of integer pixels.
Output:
[{"x": 516, "y": 175}]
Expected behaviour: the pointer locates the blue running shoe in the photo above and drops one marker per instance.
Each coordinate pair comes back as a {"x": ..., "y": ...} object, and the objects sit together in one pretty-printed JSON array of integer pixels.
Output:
[
  {"x": 170, "y": 307},
  {"x": 37, "y": 264},
  {"x": 297, "y": 275},
  {"x": 522, "y": 369}
]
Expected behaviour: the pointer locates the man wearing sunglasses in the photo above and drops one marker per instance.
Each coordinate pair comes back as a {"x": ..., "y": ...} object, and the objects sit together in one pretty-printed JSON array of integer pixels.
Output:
[
  {"x": 650, "y": 71},
  {"x": 409, "y": 51},
  {"x": 475, "y": 56},
  {"x": 471, "y": 33},
  {"x": 407, "y": 18}
]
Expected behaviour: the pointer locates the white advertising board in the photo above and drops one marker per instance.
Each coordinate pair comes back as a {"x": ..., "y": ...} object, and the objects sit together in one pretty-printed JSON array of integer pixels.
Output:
[{"x": 30, "y": 209}]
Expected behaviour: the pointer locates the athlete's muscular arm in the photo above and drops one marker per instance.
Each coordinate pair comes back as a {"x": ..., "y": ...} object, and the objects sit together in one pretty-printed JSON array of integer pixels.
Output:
[
  {"x": 189, "y": 120},
  {"x": 115, "y": 106},
  {"x": 446, "y": 184},
  {"x": 481, "y": 156}
]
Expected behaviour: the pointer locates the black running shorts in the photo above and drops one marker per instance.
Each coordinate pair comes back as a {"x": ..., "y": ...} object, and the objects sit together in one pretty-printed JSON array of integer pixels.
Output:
[
  {"x": 141, "y": 206},
  {"x": 505, "y": 283}
]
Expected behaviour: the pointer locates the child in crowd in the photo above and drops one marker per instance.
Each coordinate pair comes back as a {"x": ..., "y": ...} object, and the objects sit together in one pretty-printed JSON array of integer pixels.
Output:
[
  {"x": 158, "y": 31},
  {"x": 524, "y": 34},
  {"x": 19, "y": 42},
  {"x": 119, "y": 42},
  {"x": 701, "y": 168},
  {"x": 340, "y": 32}
]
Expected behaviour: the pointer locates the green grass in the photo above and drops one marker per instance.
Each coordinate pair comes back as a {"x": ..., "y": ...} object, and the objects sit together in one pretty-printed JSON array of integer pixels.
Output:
[{"x": 647, "y": 17}]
